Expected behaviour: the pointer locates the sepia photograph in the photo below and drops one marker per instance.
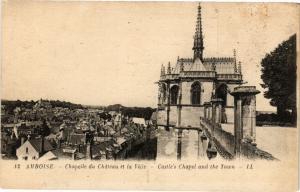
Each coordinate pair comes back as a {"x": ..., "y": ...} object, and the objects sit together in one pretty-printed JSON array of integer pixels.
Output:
[{"x": 152, "y": 93}]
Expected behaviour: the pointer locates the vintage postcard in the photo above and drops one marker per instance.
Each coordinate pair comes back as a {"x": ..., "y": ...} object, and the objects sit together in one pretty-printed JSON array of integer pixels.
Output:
[{"x": 149, "y": 95}]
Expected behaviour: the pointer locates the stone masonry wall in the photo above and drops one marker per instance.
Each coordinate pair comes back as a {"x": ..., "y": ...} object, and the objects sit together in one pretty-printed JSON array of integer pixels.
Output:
[
  {"x": 190, "y": 116},
  {"x": 226, "y": 140},
  {"x": 173, "y": 115},
  {"x": 161, "y": 117},
  {"x": 229, "y": 114}
]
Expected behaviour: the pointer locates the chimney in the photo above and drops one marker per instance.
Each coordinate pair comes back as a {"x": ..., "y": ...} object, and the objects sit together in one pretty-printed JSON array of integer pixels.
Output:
[
  {"x": 74, "y": 155},
  {"x": 22, "y": 140}
]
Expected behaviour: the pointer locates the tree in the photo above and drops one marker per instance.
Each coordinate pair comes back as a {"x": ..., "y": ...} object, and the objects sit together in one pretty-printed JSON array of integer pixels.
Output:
[{"x": 279, "y": 77}]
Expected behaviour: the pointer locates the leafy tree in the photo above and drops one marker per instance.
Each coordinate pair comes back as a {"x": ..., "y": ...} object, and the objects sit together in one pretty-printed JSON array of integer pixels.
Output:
[{"x": 279, "y": 77}]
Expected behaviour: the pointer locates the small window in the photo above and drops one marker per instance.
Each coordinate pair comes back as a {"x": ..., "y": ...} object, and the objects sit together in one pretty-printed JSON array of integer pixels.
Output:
[{"x": 27, "y": 150}]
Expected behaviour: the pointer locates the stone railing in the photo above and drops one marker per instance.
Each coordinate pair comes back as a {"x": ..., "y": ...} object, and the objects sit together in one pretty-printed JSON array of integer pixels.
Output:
[
  {"x": 186, "y": 74},
  {"x": 229, "y": 77},
  {"x": 223, "y": 139},
  {"x": 225, "y": 143},
  {"x": 204, "y": 74},
  {"x": 169, "y": 77},
  {"x": 219, "y": 59}
]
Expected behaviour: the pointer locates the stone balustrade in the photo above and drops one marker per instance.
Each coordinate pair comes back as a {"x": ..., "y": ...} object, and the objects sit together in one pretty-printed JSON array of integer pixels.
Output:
[
  {"x": 230, "y": 77},
  {"x": 203, "y": 74},
  {"x": 242, "y": 142},
  {"x": 169, "y": 77}
]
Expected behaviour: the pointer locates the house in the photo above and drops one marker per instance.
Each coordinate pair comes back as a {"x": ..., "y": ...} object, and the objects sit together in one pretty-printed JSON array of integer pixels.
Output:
[
  {"x": 33, "y": 149},
  {"x": 8, "y": 144},
  {"x": 77, "y": 139},
  {"x": 139, "y": 121}
]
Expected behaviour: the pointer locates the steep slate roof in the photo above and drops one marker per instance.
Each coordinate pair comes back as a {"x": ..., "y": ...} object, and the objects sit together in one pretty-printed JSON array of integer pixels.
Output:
[
  {"x": 37, "y": 143},
  {"x": 197, "y": 66},
  {"x": 49, "y": 156},
  {"x": 223, "y": 65},
  {"x": 220, "y": 65}
]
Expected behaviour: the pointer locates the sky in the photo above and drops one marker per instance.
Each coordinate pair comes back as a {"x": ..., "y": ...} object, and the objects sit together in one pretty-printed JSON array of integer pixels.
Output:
[{"x": 102, "y": 53}]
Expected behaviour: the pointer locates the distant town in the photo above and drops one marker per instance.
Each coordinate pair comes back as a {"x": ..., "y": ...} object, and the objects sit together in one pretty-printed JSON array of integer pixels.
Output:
[{"x": 49, "y": 130}]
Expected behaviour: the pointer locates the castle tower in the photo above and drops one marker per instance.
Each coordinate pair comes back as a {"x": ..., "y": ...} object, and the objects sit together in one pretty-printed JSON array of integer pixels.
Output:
[{"x": 198, "y": 37}]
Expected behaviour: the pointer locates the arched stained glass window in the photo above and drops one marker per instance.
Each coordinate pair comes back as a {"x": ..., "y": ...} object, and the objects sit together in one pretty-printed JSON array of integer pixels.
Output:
[
  {"x": 174, "y": 94},
  {"x": 195, "y": 93},
  {"x": 163, "y": 93}
]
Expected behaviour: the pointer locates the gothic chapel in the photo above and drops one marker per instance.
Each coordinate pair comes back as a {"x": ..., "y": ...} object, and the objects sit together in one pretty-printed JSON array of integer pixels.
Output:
[{"x": 192, "y": 83}]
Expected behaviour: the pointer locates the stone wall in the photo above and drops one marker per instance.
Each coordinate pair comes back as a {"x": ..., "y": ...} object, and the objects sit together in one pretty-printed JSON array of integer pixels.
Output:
[
  {"x": 226, "y": 142},
  {"x": 230, "y": 98},
  {"x": 220, "y": 148},
  {"x": 215, "y": 132},
  {"x": 190, "y": 116},
  {"x": 226, "y": 139},
  {"x": 173, "y": 115},
  {"x": 229, "y": 114},
  {"x": 207, "y": 88},
  {"x": 161, "y": 117}
]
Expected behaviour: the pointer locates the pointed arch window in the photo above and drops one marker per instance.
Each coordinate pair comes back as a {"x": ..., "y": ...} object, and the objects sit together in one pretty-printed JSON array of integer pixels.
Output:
[
  {"x": 163, "y": 93},
  {"x": 174, "y": 94},
  {"x": 195, "y": 93}
]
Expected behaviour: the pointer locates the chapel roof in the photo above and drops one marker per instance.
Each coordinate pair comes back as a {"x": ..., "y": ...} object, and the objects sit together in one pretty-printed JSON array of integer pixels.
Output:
[{"x": 222, "y": 65}]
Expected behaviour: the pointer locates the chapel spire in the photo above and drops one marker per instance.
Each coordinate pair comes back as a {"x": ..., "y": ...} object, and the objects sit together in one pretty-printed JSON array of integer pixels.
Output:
[{"x": 198, "y": 37}]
